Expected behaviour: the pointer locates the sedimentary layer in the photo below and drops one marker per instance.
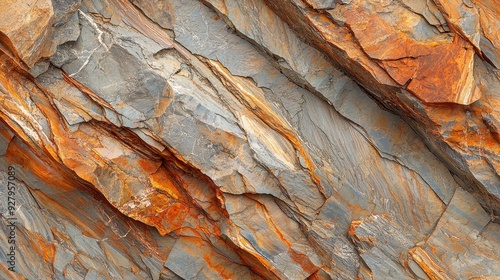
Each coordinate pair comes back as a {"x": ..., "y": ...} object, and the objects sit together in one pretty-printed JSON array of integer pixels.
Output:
[{"x": 250, "y": 139}]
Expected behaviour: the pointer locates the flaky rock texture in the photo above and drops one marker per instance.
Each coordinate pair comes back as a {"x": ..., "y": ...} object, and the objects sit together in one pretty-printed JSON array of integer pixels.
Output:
[{"x": 250, "y": 139}]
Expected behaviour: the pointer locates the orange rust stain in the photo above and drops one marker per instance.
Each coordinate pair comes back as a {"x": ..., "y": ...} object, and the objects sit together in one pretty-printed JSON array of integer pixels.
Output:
[
  {"x": 220, "y": 268},
  {"x": 148, "y": 165},
  {"x": 353, "y": 227},
  {"x": 162, "y": 180},
  {"x": 336, "y": 41},
  {"x": 257, "y": 264},
  {"x": 370, "y": 240},
  {"x": 44, "y": 170},
  {"x": 171, "y": 168},
  {"x": 63, "y": 182},
  {"x": 42, "y": 246},
  {"x": 19, "y": 83},
  {"x": 163, "y": 213},
  {"x": 427, "y": 264},
  {"x": 446, "y": 60},
  {"x": 47, "y": 249},
  {"x": 12, "y": 275},
  {"x": 121, "y": 161},
  {"x": 422, "y": 65},
  {"x": 8, "y": 47},
  {"x": 315, "y": 276},
  {"x": 401, "y": 70},
  {"x": 174, "y": 212},
  {"x": 368, "y": 28},
  {"x": 302, "y": 260}
]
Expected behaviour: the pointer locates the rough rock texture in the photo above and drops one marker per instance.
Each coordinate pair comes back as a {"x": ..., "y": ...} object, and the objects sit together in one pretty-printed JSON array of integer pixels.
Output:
[{"x": 250, "y": 139}]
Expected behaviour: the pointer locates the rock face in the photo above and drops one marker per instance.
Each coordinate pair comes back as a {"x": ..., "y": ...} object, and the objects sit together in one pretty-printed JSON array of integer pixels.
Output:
[{"x": 249, "y": 139}]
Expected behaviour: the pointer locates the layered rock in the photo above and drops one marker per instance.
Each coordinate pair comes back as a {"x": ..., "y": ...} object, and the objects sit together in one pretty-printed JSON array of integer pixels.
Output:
[
  {"x": 414, "y": 75},
  {"x": 239, "y": 139}
]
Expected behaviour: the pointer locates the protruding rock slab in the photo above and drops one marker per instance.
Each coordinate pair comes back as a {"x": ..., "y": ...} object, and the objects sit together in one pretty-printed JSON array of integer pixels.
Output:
[
  {"x": 228, "y": 147},
  {"x": 25, "y": 28},
  {"x": 419, "y": 64}
]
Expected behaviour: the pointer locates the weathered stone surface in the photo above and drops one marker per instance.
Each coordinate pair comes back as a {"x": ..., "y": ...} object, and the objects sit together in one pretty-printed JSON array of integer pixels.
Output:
[
  {"x": 224, "y": 140},
  {"x": 25, "y": 28},
  {"x": 331, "y": 33}
]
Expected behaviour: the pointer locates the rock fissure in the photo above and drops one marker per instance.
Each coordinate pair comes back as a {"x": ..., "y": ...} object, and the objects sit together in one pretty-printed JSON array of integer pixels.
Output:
[{"x": 252, "y": 139}]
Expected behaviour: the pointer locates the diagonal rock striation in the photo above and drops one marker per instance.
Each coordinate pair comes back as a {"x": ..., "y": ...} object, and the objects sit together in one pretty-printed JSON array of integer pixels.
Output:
[{"x": 249, "y": 139}]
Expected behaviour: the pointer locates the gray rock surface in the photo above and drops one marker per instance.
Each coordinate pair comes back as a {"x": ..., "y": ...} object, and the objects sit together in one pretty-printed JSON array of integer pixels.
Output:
[{"x": 209, "y": 140}]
